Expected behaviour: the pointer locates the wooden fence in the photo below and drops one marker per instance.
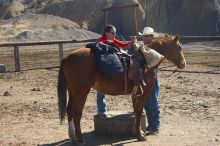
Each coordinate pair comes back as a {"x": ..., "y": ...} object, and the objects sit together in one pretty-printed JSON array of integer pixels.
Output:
[
  {"x": 187, "y": 39},
  {"x": 60, "y": 43}
]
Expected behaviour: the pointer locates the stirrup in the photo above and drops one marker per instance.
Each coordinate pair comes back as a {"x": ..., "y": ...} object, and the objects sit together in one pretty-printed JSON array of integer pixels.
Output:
[{"x": 135, "y": 91}]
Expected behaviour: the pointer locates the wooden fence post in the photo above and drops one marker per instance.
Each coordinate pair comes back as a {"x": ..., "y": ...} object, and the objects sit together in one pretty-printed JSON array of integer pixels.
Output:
[
  {"x": 105, "y": 18},
  {"x": 61, "y": 51},
  {"x": 17, "y": 60},
  {"x": 135, "y": 21}
]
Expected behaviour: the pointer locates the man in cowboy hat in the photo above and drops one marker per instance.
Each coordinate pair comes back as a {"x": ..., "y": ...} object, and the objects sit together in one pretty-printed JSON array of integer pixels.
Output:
[{"x": 152, "y": 107}]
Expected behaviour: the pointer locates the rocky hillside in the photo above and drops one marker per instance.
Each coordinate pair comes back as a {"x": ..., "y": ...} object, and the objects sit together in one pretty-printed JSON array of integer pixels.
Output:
[
  {"x": 38, "y": 27},
  {"x": 89, "y": 15},
  {"x": 14, "y": 8},
  {"x": 184, "y": 17}
]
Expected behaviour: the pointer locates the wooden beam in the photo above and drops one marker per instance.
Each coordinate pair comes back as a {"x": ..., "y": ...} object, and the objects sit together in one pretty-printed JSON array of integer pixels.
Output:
[
  {"x": 45, "y": 42},
  {"x": 135, "y": 21},
  {"x": 186, "y": 39},
  {"x": 61, "y": 51},
  {"x": 105, "y": 18},
  {"x": 121, "y": 6},
  {"x": 17, "y": 60}
]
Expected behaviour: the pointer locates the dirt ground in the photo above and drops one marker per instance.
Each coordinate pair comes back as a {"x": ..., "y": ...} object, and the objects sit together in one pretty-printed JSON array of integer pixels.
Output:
[{"x": 190, "y": 106}]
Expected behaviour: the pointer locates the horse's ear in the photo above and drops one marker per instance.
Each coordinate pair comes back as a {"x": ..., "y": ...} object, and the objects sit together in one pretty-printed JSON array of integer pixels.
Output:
[{"x": 177, "y": 38}]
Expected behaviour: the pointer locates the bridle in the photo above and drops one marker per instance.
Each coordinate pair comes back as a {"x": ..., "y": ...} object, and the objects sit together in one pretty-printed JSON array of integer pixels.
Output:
[{"x": 175, "y": 70}]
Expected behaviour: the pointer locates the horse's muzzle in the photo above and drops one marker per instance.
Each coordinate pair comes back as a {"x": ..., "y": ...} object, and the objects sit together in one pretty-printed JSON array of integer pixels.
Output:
[{"x": 182, "y": 62}]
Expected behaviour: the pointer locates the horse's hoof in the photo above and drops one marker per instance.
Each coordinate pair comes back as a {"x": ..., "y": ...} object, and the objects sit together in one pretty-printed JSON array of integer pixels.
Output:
[{"x": 141, "y": 138}]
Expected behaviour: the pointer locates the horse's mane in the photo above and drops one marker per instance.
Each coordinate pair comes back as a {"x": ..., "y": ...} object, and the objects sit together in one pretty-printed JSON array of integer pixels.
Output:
[
  {"x": 162, "y": 40},
  {"x": 159, "y": 43}
]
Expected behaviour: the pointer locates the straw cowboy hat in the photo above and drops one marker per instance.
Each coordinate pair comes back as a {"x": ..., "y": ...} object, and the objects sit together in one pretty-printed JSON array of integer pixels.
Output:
[{"x": 148, "y": 31}]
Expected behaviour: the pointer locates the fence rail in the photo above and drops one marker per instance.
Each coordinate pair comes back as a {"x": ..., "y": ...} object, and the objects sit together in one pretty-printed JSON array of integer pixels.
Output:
[
  {"x": 199, "y": 38},
  {"x": 17, "y": 45},
  {"x": 60, "y": 43},
  {"x": 186, "y": 39},
  {"x": 45, "y": 42}
]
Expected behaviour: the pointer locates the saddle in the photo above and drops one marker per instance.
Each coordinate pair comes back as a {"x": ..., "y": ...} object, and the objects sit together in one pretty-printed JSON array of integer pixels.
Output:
[
  {"x": 111, "y": 60},
  {"x": 108, "y": 59}
]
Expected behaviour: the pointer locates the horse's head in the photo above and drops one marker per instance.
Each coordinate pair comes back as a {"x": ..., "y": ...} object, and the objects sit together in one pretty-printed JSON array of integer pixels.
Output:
[{"x": 171, "y": 48}]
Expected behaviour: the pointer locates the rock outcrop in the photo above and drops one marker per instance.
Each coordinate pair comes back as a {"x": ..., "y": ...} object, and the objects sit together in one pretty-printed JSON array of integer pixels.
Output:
[
  {"x": 184, "y": 17},
  {"x": 40, "y": 27},
  {"x": 88, "y": 14}
]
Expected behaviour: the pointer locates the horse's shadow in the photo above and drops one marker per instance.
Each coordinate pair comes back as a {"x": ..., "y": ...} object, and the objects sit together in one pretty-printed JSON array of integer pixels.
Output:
[{"x": 93, "y": 139}]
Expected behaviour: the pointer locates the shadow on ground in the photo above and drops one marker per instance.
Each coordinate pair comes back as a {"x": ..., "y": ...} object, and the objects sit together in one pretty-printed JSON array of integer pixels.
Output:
[{"x": 93, "y": 139}]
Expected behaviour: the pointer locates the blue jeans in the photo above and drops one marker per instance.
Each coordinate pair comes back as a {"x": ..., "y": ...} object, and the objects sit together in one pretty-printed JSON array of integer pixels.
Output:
[
  {"x": 101, "y": 103},
  {"x": 152, "y": 107}
]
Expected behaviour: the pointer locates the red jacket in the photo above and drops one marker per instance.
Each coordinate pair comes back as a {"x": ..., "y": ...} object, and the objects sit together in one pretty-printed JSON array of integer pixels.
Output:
[{"x": 115, "y": 41}]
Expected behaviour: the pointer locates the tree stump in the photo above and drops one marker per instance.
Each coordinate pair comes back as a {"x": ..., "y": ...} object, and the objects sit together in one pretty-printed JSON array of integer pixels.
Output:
[{"x": 117, "y": 123}]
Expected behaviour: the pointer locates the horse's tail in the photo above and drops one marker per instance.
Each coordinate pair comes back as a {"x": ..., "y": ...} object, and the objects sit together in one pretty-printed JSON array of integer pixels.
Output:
[{"x": 62, "y": 93}]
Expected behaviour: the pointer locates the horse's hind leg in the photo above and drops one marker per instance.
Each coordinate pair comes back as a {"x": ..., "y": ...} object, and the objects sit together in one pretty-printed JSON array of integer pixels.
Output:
[
  {"x": 75, "y": 107},
  {"x": 71, "y": 129}
]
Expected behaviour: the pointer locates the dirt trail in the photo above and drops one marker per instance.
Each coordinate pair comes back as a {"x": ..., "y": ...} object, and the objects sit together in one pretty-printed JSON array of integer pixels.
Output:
[{"x": 190, "y": 108}]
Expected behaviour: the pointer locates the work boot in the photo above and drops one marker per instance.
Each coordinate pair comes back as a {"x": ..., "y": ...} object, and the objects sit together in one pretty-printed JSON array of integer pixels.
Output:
[{"x": 151, "y": 131}]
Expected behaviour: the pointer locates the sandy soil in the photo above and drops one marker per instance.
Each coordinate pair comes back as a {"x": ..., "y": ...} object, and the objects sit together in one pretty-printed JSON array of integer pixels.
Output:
[{"x": 190, "y": 107}]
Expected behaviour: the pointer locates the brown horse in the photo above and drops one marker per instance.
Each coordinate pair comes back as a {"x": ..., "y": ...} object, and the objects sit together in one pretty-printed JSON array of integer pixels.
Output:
[{"x": 78, "y": 73}]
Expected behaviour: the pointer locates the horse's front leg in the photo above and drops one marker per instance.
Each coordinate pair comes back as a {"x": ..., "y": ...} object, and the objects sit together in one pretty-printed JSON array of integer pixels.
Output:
[{"x": 138, "y": 105}]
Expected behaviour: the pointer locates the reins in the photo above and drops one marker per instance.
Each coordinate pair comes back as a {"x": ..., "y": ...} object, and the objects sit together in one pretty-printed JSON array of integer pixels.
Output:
[
  {"x": 165, "y": 76},
  {"x": 167, "y": 66}
]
